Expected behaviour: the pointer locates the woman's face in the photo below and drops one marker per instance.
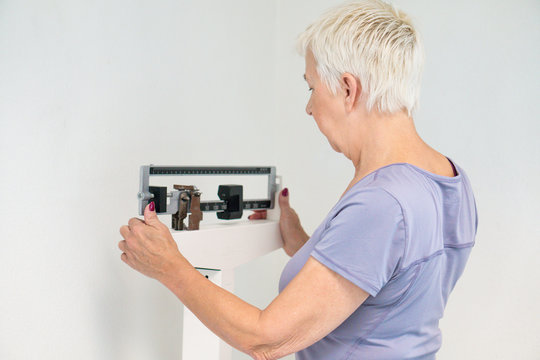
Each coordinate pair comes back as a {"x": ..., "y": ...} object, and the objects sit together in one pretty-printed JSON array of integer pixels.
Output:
[{"x": 326, "y": 108}]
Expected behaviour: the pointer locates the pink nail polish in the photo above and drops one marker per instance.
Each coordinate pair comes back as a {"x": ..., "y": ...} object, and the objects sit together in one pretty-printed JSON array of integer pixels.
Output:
[
  {"x": 152, "y": 206},
  {"x": 285, "y": 192}
]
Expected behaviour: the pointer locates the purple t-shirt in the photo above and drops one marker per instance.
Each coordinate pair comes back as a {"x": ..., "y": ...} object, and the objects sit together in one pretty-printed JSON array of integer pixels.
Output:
[{"x": 403, "y": 235}]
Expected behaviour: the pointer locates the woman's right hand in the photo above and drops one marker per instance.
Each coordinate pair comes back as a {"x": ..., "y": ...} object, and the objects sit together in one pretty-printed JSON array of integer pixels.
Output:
[{"x": 292, "y": 233}]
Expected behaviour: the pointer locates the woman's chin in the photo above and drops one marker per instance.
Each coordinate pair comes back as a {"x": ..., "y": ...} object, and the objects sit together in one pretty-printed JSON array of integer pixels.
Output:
[{"x": 335, "y": 147}]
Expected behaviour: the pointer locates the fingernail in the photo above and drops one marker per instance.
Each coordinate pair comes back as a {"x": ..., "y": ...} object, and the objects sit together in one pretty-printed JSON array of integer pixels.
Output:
[
  {"x": 285, "y": 192},
  {"x": 152, "y": 206}
]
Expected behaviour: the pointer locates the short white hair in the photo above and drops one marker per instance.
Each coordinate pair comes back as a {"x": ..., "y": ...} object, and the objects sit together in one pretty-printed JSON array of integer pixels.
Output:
[{"x": 375, "y": 42}]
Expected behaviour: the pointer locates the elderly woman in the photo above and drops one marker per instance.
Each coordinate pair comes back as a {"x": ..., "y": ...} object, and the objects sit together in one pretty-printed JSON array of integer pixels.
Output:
[{"x": 373, "y": 279}]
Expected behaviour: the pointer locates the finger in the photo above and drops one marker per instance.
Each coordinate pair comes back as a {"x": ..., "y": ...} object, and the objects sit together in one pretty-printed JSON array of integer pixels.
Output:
[
  {"x": 284, "y": 199},
  {"x": 134, "y": 222},
  {"x": 125, "y": 231},
  {"x": 150, "y": 215},
  {"x": 129, "y": 257},
  {"x": 122, "y": 245}
]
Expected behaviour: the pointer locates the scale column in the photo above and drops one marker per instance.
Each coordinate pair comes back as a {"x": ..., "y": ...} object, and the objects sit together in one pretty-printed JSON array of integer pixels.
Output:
[{"x": 197, "y": 341}]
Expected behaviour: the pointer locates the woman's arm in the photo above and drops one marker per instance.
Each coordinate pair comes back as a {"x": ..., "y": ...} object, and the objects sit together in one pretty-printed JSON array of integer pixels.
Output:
[{"x": 314, "y": 303}]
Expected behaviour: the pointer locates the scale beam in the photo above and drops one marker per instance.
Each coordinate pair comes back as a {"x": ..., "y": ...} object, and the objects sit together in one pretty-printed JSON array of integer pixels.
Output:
[{"x": 185, "y": 199}]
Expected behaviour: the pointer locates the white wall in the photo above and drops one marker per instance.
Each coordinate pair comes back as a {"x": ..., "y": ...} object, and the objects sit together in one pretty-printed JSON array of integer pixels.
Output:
[
  {"x": 479, "y": 106},
  {"x": 91, "y": 90}
]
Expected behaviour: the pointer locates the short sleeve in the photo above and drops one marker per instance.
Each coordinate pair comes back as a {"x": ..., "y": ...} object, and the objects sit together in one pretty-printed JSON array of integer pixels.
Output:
[{"x": 365, "y": 240}]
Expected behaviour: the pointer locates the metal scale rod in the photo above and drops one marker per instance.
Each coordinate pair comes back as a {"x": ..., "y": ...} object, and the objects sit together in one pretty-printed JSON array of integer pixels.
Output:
[{"x": 252, "y": 204}]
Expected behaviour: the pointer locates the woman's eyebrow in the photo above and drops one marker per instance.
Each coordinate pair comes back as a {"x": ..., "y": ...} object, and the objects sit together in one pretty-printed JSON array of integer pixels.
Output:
[{"x": 305, "y": 77}]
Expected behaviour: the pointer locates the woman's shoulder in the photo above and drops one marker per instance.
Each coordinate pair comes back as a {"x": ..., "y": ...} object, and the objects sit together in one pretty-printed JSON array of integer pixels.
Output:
[
  {"x": 409, "y": 187},
  {"x": 373, "y": 198}
]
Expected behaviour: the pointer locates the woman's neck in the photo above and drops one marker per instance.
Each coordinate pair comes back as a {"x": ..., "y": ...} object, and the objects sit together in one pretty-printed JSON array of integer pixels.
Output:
[{"x": 377, "y": 140}]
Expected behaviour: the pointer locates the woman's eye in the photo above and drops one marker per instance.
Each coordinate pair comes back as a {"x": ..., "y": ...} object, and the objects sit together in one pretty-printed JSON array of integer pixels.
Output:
[{"x": 310, "y": 89}]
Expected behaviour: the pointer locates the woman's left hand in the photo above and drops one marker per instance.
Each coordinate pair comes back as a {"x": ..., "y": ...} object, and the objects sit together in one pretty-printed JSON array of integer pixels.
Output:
[{"x": 148, "y": 246}]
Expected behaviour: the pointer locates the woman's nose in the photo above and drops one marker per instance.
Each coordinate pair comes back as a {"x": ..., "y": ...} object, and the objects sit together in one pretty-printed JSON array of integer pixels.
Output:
[{"x": 308, "y": 107}]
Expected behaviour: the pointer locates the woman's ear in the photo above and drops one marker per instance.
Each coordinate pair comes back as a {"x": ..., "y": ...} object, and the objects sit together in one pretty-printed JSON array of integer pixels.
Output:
[{"x": 352, "y": 90}]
